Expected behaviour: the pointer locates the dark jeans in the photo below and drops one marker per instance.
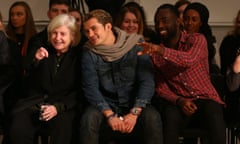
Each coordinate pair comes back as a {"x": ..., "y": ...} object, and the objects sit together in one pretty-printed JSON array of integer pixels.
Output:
[
  {"x": 149, "y": 127},
  {"x": 24, "y": 125},
  {"x": 209, "y": 116}
]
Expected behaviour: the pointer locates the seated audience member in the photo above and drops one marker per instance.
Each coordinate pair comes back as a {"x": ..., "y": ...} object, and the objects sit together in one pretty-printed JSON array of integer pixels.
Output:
[
  {"x": 233, "y": 83},
  {"x": 229, "y": 56},
  {"x": 52, "y": 88},
  {"x": 21, "y": 27},
  {"x": 40, "y": 40},
  {"x": 8, "y": 74},
  {"x": 182, "y": 79},
  {"x": 131, "y": 18},
  {"x": 230, "y": 45},
  {"x": 195, "y": 18},
  {"x": 117, "y": 83}
]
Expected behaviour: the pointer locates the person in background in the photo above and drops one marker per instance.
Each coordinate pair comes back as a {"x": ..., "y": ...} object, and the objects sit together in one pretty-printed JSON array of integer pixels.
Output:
[
  {"x": 40, "y": 40},
  {"x": 230, "y": 45},
  {"x": 183, "y": 80},
  {"x": 79, "y": 17},
  {"x": 110, "y": 6},
  {"x": 117, "y": 83},
  {"x": 52, "y": 89},
  {"x": 20, "y": 27},
  {"x": 195, "y": 18},
  {"x": 8, "y": 75},
  {"x": 233, "y": 83},
  {"x": 229, "y": 62},
  {"x": 131, "y": 18},
  {"x": 181, "y": 5}
]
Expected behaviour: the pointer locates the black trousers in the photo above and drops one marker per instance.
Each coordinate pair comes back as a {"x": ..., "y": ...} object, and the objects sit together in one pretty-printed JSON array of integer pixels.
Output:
[
  {"x": 209, "y": 116},
  {"x": 25, "y": 124}
]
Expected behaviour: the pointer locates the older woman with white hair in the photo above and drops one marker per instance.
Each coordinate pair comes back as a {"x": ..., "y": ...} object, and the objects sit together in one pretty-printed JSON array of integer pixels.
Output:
[{"x": 51, "y": 87}]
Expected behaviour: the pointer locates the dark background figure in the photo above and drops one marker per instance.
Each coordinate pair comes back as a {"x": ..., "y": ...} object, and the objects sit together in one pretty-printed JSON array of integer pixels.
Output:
[
  {"x": 229, "y": 50},
  {"x": 230, "y": 45},
  {"x": 181, "y": 5},
  {"x": 9, "y": 76},
  {"x": 111, "y": 6}
]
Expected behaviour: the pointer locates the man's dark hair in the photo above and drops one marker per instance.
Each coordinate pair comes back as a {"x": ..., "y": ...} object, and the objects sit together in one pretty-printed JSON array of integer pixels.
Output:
[
  {"x": 101, "y": 15},
  {"x": 52, "y": 2},
  {"x": 166, "y": 6}
]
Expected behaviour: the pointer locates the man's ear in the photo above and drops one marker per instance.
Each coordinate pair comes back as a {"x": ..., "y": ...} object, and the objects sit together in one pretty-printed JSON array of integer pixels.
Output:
[{"x": 108, "y": 26}]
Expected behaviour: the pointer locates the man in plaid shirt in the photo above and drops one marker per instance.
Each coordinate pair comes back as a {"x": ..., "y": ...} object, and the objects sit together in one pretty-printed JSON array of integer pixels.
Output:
[{"x": 183, "y": 79}]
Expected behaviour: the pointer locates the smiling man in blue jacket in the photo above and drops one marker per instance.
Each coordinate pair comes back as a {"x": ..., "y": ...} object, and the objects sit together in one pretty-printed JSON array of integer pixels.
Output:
[{"x": 117, "y": 83}]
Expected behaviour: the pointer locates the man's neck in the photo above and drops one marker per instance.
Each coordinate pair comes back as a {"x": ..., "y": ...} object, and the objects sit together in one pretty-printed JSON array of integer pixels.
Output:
[{"x": 111, "y": 39}]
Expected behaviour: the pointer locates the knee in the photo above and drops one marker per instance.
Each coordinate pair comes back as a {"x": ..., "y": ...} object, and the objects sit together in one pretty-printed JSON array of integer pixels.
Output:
[
  {"x": 91, "y": 117},
  {"x": 151, "y": 116}
]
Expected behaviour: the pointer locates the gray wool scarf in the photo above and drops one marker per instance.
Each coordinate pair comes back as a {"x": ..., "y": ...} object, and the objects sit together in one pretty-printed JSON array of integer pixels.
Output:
[{"x": 124, "y": 43}]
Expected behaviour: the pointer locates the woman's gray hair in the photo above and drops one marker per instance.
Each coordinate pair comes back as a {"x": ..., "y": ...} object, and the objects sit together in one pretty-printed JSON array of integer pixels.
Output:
[{"x": 70, "y": 22}]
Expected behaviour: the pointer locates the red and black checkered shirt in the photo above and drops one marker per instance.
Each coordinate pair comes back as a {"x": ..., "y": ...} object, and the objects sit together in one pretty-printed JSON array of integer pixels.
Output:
[{"x": 184, "y": 71}]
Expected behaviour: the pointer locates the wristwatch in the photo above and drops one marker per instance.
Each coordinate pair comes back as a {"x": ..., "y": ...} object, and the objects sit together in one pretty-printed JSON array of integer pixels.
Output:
[{"x": 135, "y": 111}]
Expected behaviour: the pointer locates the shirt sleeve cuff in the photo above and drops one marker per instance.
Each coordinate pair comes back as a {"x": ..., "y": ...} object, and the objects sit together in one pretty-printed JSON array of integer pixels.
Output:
[
  {"x": 103, "y": 106},
  {"x": 141, "y": 103}
]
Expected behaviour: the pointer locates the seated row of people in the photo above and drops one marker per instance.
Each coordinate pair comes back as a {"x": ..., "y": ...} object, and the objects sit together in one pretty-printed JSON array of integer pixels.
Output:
[{"x": 114, "y": 70}]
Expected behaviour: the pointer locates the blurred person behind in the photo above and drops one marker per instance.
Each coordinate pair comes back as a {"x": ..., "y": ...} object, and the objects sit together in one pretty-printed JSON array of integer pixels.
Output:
[
  {"x": 21, "y": 27},
  {"x": 230, "y": 45},
  {"x": 195, "y": 18},
  {"x": 131, "y": 18},
  {"x": 76, "y": 13},
  {"x": 229, "y": 62},
  {"x": 8, "y": 75},
  {"x": 181, "y": 5}
]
